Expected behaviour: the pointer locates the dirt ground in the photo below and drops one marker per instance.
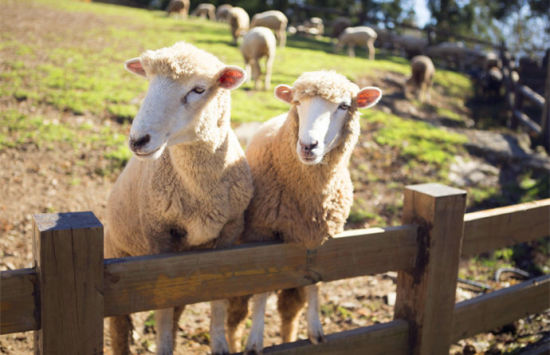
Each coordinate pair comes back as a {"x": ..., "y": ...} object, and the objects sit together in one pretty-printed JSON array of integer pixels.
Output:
[{"x": 40, "y": 180}]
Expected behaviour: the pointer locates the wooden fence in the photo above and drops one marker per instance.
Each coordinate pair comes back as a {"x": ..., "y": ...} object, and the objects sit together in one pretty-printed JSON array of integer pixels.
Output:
[{"x": 71, "y": 288}]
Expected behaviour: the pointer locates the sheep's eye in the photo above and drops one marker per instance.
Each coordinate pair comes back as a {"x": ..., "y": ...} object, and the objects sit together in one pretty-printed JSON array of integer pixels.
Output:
[
  {"x": 198, "y": 90},
  {"x": 344, "y": 107}
]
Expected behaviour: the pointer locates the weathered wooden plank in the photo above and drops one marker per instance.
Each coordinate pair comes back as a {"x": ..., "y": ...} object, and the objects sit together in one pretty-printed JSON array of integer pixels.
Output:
[
  {"x": 426, "y": 295},
  {"x": 68, "y": 252},
  {"x": 18, "y": 293},
  {"x": 501, "y": 307},
  {"x": 500, "y": 227},
  {"x": 527, "y": 122},
  {"x": 390, "y": 338},
  {"x": 153, "y": 282},
  {"x": 533, "y": 96}
]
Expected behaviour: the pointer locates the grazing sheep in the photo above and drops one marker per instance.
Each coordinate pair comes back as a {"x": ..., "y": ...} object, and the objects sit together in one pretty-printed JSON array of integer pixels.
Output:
[
  {"x": 303, "y": 191},
  {"x": 410, "y": 45},
  {"x": 422, "y": 73},
  {"x": 339, "y": 25},
  {"x": 180, "y": 7},
  {"x": 205, "y": 10},
  {"x": 257, "y": 43},
  {"x": 454, "y": 54},
  {"x": 222, "y": 12},
  {"x": 188, "y": 183},
  {"x": 313, "y": 27},
  {"x": 357, "y": 36},
  {"x": 239, "y": 22},
  {"x": 275, "y": 20}
]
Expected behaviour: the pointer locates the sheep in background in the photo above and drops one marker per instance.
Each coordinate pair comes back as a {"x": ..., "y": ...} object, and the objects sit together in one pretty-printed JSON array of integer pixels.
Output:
[
  {"x": 422, "y": 74},
  {"x": 357, "y": 36},
  {"x": 339, "y": 25},
  {"x": 205, "y": 10},
  {"x": 410, "y": 45},
  {"x": 222, "y": 12},
  {"x": 257, "y": 43},
  {"x": 188, "y": 183},
  {"x": 303, "y": 191},
  {"x": 275, "y": 20},
  {"x": 239, "y": 22},
  {"x": 312, "y": 27},
  {"x": 179, "y": 7}
]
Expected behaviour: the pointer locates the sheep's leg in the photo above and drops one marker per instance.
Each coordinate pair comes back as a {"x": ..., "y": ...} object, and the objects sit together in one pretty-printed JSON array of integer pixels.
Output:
[
  {"x": 164, "y": 323},
  {"x": 177, "y": 314},
  {"x": 120, "y": 329},
  {"x": 351, "y": 50},
  {"x": 314, "y": 327},
  {"x": 218, "y": 343},
  {"x": 256, "y": 73},
  {"x": 370, "y": 46},
  {"x": 268, "y": 68},
  {"x": 255, "y": 341},
  {"x": 236, "y": 313},
  {"x": 282, "y": 38},
  {"x": 290, "y": 303}
]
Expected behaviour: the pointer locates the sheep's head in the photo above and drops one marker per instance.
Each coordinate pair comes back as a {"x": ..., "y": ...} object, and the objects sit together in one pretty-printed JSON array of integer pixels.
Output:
[
  {"x": 324, "y": 101},
  {"x": 183, "y": 80}
]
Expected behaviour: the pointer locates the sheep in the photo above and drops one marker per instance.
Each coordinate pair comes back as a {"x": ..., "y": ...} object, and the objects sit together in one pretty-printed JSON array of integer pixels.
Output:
[
  {"x": 257, "y": 43},
  {"x": 410, "y": 45},
  {"x": 361, "y": 35},
  {"x": 454, "y": 52},
  {"x": 339, "y": 25},
  {"x": 422, "y": 73},
  {"x": 180, "y": 7},
  {"x": 222, "y": 12},
  {"x": 275, "y": 20},
  {"x": 239, "y": 22},
  {"x": 188, "y": 182},
  {"x": 303, "y": 191},
  {"x": 205, "y": 10},
  {"x": 313, "y": 27}
]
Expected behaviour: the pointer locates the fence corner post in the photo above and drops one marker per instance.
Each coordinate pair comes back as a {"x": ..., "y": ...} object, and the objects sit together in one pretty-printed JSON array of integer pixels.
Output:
[
  {"x": 426, "y": 294},
  {"x": 68, "y": 257}
]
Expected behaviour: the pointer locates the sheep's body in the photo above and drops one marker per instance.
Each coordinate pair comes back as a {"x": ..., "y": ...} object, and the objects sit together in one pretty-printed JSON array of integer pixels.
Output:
[
  {"x": 313, "y": 27},
  {"x": 422, "y": 73},
  {"x": 239, "y": 22},
  {"x": 357, "y": 36},
  {"x": 454, "y": 54},
  {"x": 274, "y": 20},
  {"x": 222, "y": 12},
  {"x": 205, "y": 10},
  {"x": 257, "y": 43},
  {"x": 339, "y": 25},
  {"x": 180, "y": 7},
  {"x": 410, "y": 45},
  {"x": 194, "y": 195}
]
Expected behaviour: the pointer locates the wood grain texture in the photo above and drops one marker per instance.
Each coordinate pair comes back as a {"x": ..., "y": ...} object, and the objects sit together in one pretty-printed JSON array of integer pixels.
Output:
[
  {"x": 505, "y": 226},
  {"x": 161, "y": 281},
  {"x": 426, "y": 296},
  {"x": 68, "y": 252},
  {"x": 501, "y": 307},
  {"x": 18, "y": 296}
]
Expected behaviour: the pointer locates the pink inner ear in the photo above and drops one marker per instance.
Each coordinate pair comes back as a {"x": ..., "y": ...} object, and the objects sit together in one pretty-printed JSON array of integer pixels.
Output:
[
  {"x": 284, "y": 93},
  {"x": 135, "y": 67},
  {"x": 230, "y": 78},
  {"x": 367, "y": 97}
]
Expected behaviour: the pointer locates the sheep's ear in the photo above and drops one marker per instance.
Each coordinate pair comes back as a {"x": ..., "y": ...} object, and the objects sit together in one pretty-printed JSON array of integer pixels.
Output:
[
  {"x": 284, "y": 93},
  {"x": 368, "y": 97},
  {"x": 134, "y": 66},
  {"x": 231, "y": 77}
]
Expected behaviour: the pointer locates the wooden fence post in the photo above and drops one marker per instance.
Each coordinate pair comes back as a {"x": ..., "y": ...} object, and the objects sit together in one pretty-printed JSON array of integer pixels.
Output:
[
  {"x": 426, "y": 295},
  {"x": 68, "y": 255}
]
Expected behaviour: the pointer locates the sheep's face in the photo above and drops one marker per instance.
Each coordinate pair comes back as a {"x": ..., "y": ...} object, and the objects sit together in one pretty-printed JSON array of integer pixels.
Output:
[
  {"x": 322, "y": 121},
  {"x": 172, "y": 108}
]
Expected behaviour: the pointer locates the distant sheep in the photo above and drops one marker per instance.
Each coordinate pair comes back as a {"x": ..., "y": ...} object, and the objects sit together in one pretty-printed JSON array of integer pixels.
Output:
[
  {"x": 239, "y": 22},
  {"x": 410, "y": 45},
  {"x": 205, "y": 10},
  {"x": 312, "y": 27},
  {"x": 357, "y": 36},
  {"x": 222, "y": 12},
  {"x": 275, "y": 20},
  {"x": 257, "y": 43},
  {"x": 422, "y": 74},
  {"x": 179, "y": 7},
  {"x": 339, "y": 25},
  {"x": 188, "y": 183}
]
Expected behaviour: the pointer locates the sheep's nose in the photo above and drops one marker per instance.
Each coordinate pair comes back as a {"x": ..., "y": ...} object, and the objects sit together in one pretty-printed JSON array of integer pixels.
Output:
[
  {"x": 139, "y": 143},
  {"x": 308, "y": 147}
]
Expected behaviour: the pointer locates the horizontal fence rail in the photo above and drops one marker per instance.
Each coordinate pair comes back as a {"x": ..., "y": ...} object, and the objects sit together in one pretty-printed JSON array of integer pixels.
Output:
[{"x": 18, "y": 301}]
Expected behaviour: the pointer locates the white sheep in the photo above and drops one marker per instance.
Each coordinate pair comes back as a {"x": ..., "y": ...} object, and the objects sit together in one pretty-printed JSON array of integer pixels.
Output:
[
  {"x": 257, "y": 43},
  {"x": 421, "y": 79},
  {"x": 313, "y": 27},
  {"x": 188, "y": 183},
  {"x": 361, "y": 36},
  {"x": 239, "y": 22},
  {"x": 222, "y": 12},
  {"x": 303, "y": 191},
  {"x": 205, "y": 10},
  {"x": 180, "y": 7},
  {"x": 273, "y": 19}
]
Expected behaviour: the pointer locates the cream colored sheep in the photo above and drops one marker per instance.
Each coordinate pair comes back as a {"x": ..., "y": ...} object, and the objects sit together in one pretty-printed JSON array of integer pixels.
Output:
[
  {"x": 303, "y": 191},
  {"x": 188, "y": 183},
  {"x": 205, "y": 10},
  {"x": 313, "y": 27},
  {"x": 222, "y": 12},
  {"x": 180, "y": 7},
  {"x": 357, "y": 36},
  {"x": 275, "y": 20},
  {"x": 257, "y": 43},
  {"x": 422, "y": 74},
  {"x": 239, "y": 22}
]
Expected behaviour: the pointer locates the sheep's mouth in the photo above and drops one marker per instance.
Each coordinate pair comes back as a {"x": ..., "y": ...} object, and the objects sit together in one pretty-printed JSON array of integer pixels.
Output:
[
  {"x": 152, "y": 154},
  {"x": 143, "y": 155}
]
